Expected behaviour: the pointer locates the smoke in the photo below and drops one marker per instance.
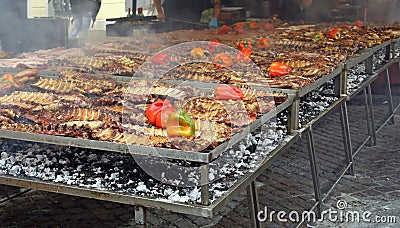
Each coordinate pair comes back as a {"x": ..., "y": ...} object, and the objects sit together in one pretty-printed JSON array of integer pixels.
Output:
[
  {"x": 383, "y": 11},
  {"x": 12, "y": 22},
  {"x": 20, "y": 34}
]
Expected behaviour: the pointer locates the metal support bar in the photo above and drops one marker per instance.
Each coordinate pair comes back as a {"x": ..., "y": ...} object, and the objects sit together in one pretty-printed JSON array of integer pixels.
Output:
[
  {"x": 389, "y": 96},
  {"x": 348, "y": 150},
  {"x": 388, "y": 51},
  {"x": 23, "y": 191},
  {"x": 140, "y": 216},
  {"x": 314, "y": 173},
  {"x": 204, "y": 180},
  {"x": 343, "y": 80},
  {"x": 369, "y": 65},
  {"x": 254, "y": 206},
  {"x": 337, "y": 90},
  {"x": 368, "y": 115},
  {"x": 341, "y": 83},
  {"x": 371, "y": 112},
  {"x": 293, "y": 116}
]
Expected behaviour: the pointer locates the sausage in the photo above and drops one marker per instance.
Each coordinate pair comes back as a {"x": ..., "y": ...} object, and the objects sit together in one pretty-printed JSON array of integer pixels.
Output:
[
  {"x": 24, "y": 79},
  {"x": 18, "y": 84},
  {"x": 27, "y": 73},
  {"x": 5, "y": 87}
]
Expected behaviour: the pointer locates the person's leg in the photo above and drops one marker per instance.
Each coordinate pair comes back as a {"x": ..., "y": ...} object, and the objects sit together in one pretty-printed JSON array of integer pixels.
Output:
[
  {"x": 86, "y": 22},
  {"x": 77, "y": 27}
]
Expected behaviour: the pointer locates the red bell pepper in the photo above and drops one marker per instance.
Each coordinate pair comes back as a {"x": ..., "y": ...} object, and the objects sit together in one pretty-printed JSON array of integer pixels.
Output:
[
  {"x": 358, "y": 23},
  {"x": 345, "y": 27},
  {"x": 253, "y": 25},
  {"x": 334, "y": 34},
  {"x": 224, "y": 29},
  {"x": 242, "y": 58},
  {"x": 277, "y": 69},
  {"x": 162, "y": 117},
  {"x": 269, "y": 27},
  {"x": 240, "y": 25},
  {"x": 161, "y": 59},
  {"x": 213, "y": 45},
  {"x": 263, "y": 43},
  {"x": 222, "y": 60},
  {"x": 180, "y": 124},
  {"x": 240, "y": 30},
  {"x": 153, "y": 46},
  {"x": 245, "y": 47},
  {"x": 153, "y": 110},
  {"x": 228, "y": 92}
]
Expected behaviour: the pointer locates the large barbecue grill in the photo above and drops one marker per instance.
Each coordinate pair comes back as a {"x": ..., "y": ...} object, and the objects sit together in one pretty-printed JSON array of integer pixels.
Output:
[{"x": 337, "y": 81}]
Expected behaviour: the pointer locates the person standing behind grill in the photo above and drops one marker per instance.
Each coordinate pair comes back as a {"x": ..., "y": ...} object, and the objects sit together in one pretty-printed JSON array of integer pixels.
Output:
[
  {"x": 300, "y": 10},
  {"x": 83, "y": 11},
  {"x": 288, "y": 10},
  {"x": 185, "y": 10},
  {"x": 318, "y": 10}
]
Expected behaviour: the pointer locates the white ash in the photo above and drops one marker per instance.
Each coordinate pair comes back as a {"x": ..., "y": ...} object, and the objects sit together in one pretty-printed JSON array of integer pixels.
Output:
[
  {"x": 379, "y": 59},
  {"x": 357, "y": 74},
  {"x": 356, "y": 77},
  {"x": 4, "y": 155},
  {"x": 119, "y": 173},
  {"x": 314, "y": 103},
  {"x": 141, "y": 187}
]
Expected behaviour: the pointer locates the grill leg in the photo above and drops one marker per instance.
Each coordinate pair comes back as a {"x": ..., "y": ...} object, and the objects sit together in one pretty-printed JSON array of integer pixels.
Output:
[
  {"x": 388, "y": 51},
  {"x": 369, "y": 65},
  {"x": 389, "y": 95},
  {"x": 140, "y": 216},
  {"x": 205, "y": 193},
  {"x": 371, "y": 112},
  {"x": 293, "y": 119},
  {"x": 313, "y": 164},
  {"x": 368, "y": 116},
  {"x": 346, "y": 138},
  {"x": 253, "y": 204},
  {"x": 341, "y": 83}
]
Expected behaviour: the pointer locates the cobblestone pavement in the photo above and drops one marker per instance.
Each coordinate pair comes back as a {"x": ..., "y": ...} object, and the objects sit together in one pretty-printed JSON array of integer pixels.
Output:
[
  {"x": 373, "y": 193},
  {"x": 286, "y": 186}
]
